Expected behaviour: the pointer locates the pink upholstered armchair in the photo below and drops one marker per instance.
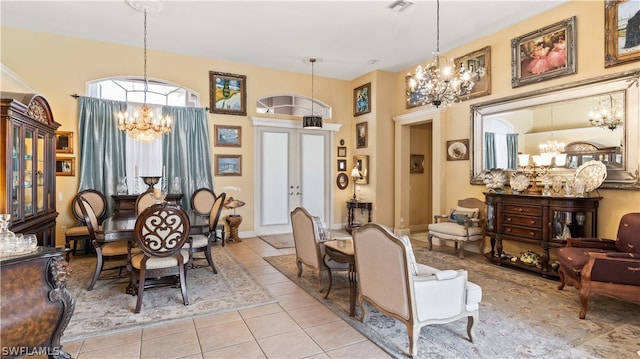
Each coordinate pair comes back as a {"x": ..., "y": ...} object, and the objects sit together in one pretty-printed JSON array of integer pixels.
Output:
[
  {"x": 604, "y": 266},
  {"x": 416, "y": 294}
]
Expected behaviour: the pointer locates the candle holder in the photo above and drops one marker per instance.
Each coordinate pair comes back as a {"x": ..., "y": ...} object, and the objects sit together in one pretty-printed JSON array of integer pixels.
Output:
[{"x": 150, "y": 181}]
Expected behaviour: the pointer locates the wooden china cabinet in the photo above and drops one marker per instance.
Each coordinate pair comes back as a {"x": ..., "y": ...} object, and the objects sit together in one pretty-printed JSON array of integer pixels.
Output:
[
  {"x": 28, "y": 187},
  {"x": 538, "y": 222}
]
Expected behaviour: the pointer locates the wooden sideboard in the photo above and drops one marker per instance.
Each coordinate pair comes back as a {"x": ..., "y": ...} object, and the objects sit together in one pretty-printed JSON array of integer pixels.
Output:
[
  {"x": 540, "y": 222},
  {"x": 124, "y": 205},
  {"x": 36, "y": 306}
]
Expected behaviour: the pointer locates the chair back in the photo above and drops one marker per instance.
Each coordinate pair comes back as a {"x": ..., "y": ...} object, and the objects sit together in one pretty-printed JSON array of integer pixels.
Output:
[
  {"x": 304, "y": 238},
  {"x": 144, "y": 201},
  {"x": 383, "y": 269},
  {"x": 214, "y": 213},
  {"x": 97, "y": 201},
  {"x": 202, "y": 201},
  {"x": 161, "y": 230},
  {"x": 472, "y": 202},
  {"x": 88, "y": 214},
  {"x": 628, "y": 239}
]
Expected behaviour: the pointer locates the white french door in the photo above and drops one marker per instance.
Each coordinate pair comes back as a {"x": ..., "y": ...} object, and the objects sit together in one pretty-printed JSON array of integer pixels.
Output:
[{"x": 293, "y": 169}]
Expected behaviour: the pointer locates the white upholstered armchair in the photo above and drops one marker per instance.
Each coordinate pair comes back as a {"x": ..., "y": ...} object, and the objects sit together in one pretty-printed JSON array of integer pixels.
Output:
[
  {"x": 416, "y": 294},
  {"x": 308, "y": 240}
]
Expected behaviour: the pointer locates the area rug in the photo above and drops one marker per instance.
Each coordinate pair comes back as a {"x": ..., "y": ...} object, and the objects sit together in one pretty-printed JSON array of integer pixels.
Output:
[
  {"x": 285, "y": 240},
  {"x": 108, "y": 309},
  {"x": 522, "y": 315}
]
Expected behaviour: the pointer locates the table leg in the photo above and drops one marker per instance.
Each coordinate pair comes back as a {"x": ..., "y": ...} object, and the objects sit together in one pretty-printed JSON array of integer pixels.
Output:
[{"x": 352, "y": 290}]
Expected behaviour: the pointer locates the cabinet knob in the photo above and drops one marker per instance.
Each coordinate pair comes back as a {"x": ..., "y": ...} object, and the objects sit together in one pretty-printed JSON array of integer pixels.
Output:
[
  {"x": 508, "y": 230},
  {"x": 521, "y": 209},
  {"x": 508, "y": 219},
  {"x": 531, "y": 234},
  {"x": 532, "y": 222}
]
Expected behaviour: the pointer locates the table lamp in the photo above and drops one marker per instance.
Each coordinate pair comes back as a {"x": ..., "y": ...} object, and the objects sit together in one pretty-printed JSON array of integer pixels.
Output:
[{"x": 355, "y": 175}]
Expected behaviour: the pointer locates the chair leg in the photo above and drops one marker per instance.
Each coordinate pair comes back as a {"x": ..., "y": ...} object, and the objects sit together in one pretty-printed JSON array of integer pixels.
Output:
[
  {"x": 141, "y": 278},
  {"x": 67, "y": 248},
  {"x": 330, "y": 283},
  {"x": 414, "y": 334},
  {"x": 183, "y": 286},
  {"x": 471, "y": 322},
  {"x": 207, "y": 254},
  {"x": 430, "y": 238},
  {"x": 99, "y": 264},
  {"x": 461, "y": 255},
  {"x": 562, "y": 280},
  {"x": 584, "y": 299},
  {"x": 299, "y": 264}
]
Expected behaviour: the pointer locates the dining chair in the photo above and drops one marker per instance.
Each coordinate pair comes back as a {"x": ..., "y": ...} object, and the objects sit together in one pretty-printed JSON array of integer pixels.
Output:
[
  {"x": 201, "y": 242},
  {"x": 201, "y": 202},
  {"x": 116, "y": 251},
  {"x": 144, "y": 201},
  {"x": 80, "y": 232},
  {"x": 161, "y": 232}
]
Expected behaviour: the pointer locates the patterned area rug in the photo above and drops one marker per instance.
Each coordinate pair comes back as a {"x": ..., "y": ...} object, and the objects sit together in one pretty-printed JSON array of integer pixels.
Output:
[
  {"x": 107, "y": 308},
  {"x": 521, "y": 316},
  {"x": 285, "y": 240}
]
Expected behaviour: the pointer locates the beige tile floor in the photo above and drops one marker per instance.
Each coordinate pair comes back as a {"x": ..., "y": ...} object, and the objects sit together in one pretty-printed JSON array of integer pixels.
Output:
[{"x": 297, "y": 326}]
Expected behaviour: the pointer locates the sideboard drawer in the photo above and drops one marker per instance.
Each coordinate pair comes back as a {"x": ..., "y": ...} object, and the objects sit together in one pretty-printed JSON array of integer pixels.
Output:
[
  {"x": 526, "y": 210},
  {"x": 530, "y": 233},
  {"x": 533, "y": 222}
]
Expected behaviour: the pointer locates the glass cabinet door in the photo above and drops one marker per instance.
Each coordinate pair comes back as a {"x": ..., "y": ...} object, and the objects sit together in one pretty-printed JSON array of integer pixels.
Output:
[
  {"x": 39, "y": 175},
  {"x": 28, "y": 173},
  {"x": 572, "y": 224},
  {"x": 15, "y": 173}
]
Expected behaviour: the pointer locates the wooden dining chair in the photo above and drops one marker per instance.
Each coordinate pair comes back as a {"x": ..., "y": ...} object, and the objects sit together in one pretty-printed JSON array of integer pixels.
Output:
[
  {"x": 144, "y": 201},
  {"x": 203, "y": 243},
  {"x": 80, "y": 232},
  {"x": 116, "y": 251},
  {"x": 161, "y": 232},
  {"x": 201, "y": 202}
]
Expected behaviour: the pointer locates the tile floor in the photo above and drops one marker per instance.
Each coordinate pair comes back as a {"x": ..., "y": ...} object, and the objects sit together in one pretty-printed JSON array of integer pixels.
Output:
[{"x": 297, "y": 326}]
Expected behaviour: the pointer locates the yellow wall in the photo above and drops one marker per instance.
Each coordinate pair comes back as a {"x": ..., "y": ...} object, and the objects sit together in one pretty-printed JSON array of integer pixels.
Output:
[{"x": 57, "y": 66}]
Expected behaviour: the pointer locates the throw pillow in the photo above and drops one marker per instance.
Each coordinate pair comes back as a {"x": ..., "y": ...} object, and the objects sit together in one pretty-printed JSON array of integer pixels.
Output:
[
  {"x": 475, "y": 211},
  {"x": 324, "y": 234},
  {"x": 456, "y": 212},
  {"x": 461, "y": 218}
]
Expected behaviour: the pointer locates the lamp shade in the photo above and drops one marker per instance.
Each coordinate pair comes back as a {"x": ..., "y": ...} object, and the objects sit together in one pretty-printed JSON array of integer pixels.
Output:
[
  {"x": 312, "y": 122},
  {"x": 355, "y": 173}
]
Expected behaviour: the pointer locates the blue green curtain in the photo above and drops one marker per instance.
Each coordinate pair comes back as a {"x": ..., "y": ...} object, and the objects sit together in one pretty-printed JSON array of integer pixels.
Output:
[
  {"x": 490, "y": 150},
  {"x": 185, "y": 151},
  {"x": 102, "y": 145},
  {"x": 512, "y": 151}
]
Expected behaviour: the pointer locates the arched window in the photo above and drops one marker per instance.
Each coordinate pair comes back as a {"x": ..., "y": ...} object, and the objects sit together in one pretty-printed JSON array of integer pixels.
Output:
[
  {"x": 293, "y": 105},
  {"x": 143, "y": 159}
]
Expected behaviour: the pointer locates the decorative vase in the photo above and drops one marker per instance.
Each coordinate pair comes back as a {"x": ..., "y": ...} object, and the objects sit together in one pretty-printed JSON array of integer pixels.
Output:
[
  {"x": 176, "y": 185},
  {"x": 121, "y": 188}
]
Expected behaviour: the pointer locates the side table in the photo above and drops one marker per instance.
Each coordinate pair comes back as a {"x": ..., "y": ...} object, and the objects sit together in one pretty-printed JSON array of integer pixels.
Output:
[
  {"x": 351, "y": 206},
  {"x": 233, "y": 221}
]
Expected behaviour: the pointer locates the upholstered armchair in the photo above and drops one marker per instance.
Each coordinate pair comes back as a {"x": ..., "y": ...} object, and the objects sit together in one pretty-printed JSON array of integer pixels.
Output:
[
  {"x": 308, "y": 237},
  {"x": 604, "y": 266},
  {"x": 463, "y": 224},
  {"x": 416, "y": 294}
]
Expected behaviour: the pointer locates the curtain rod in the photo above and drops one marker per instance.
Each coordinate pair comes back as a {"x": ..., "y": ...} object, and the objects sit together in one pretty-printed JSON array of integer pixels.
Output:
[{"x": 76, "y": 96}]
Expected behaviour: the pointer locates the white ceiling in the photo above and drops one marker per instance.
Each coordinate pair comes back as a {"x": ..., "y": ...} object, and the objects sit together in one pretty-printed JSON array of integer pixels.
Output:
[{"x": 345, "y": 36}]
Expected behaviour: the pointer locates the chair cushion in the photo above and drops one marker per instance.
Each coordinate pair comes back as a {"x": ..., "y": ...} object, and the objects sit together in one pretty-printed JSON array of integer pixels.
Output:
[
  {"x": 454, "y": 231},
  {"x": 77, "y": 231},
  {"x": 116, "y": 248},
  {"x": 159, "y": 262},
  {"x": 199, "y": 241},
  {"x": 572, "y": 259}
]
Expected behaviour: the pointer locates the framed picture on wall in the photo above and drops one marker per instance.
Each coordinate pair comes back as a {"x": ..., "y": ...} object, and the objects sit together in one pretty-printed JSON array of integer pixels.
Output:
[
  {"x": 64, "y": 142},
  {"x": 479, "y": 63},
  {"x": 361, "y": 135},
  {"x": 227, "y": 93},
  {"x": 622, "y": 32},
  {"x": 458, "y": 150},
  {"x": 228, "y": 136},
  {"x": 362, "y": 99},
  {"x": 342, "y": 151},
  {"x": 66, "y": 166},
  {"x": 228, "y": 165},
  {"x": 417, "y": 164},
  {"x": 342, "y": 165},
  {"x": 543, "y": 54}
]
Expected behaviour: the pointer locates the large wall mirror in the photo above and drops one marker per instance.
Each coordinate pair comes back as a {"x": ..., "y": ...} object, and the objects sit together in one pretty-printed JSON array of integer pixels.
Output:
[{"x": 554, "y": 123}]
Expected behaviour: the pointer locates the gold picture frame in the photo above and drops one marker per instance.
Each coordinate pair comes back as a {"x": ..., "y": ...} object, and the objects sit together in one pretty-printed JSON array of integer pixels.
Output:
[
  {"x": 458, "y": 150},
  {"x": 618, "y": 15},
  {"x": 479, "y": 63},
  {"x": 228, "y": 165},
  {"x": 228, "y": 136},
  {"x": 64, "y": 142},
  {"x": 65, "y": 166}
]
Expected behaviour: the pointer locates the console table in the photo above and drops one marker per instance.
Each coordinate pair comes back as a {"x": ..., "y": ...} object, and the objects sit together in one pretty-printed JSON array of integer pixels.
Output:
[
  {"x": 351, "y": 206},
  {"x": 543, "y": 222},
  {"x": 124, "y": 205},
  {"x": 36, "y": 306}
]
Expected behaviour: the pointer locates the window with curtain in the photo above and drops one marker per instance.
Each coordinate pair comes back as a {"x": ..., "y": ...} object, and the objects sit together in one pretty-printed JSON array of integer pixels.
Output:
[
  {"x": 132, "y": 158},
  {"x": 501, "y": 144}
]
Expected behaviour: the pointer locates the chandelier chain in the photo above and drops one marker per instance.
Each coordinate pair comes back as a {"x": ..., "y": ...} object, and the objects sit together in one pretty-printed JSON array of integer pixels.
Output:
[{"x": 146, "y": 82}]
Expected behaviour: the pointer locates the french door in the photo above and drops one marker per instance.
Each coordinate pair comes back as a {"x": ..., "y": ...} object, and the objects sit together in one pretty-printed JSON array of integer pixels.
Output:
[{"x": 293, "y": 169}]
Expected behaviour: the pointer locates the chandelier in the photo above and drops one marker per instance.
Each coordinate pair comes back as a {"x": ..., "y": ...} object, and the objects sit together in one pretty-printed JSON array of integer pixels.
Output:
[
  {"x": 435, "y": 85},
  {"x": 608, "y": 114},
  {"x": 141, "y": 125},
  {"x": 551, "y": 147},
  {"x": 312, "y": 121}
]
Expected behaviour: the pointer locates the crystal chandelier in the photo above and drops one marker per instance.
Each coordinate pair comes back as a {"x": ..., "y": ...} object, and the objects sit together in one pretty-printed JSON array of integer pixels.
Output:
[
  {"x": 141, "y": 125},
  {"x": 608, "y": 114},
  {"x": 551, "y": 147},
  {"x": 436, "y": 86}
]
